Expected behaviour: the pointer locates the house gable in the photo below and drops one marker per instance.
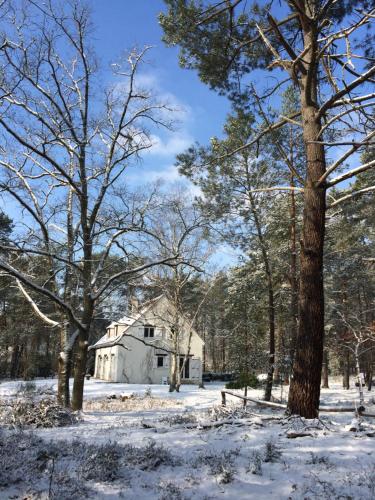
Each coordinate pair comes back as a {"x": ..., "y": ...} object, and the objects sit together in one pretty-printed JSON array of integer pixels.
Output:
[{"x": 139, "y": 346}]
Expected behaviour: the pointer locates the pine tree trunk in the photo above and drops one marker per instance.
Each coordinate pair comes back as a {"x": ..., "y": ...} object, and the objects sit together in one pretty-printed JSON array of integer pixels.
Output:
[
  {"x": 370, "y": 371},
  {"x": 325, "y": 369},
  {"x": 304, "y": 391},
  {"x": 369, "y": 382},
  {"x": 14, "y": 361},
  {"x": 346, "y": 376},
  {"x": 213, "y": 344},
  {"x": 278, "y": 353},
  {"x": 293, "y": 275},
  {"x": 204, "y": 349},
  {"x": 271, "y": 359},
  {"x": 223, "y": 347},
  {"x": 271, "y": 302}
]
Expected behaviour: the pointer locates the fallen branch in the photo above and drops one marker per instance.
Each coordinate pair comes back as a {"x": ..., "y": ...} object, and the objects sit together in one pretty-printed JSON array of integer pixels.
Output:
[
  {"x": 252, "y": 400},
  {"x": 293, "y": 435},
  {"x": 219, "y": 423},
  {"x": 338, "y": 409},
  {"x": 199, "y": 425},
  {"x": 269, "y": 404}
]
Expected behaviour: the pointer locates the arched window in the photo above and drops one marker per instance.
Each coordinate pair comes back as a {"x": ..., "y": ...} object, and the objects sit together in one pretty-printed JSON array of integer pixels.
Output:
[{"x": 99, "y": 367}]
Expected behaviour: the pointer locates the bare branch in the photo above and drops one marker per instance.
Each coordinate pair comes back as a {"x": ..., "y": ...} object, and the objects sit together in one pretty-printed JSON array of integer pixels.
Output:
[
  {"x": 351, "y": 173},
  {"x": 34, "y": 306}
]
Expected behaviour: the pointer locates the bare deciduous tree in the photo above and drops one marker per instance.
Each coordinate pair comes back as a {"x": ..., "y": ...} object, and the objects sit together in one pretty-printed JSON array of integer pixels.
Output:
[
  {"x": 178, "y": 218},
  {"x": 66, "y": 142}
]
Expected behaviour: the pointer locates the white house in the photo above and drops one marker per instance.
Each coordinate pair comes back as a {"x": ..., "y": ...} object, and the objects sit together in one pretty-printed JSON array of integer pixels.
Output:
[{"x": 136, "y": 349}]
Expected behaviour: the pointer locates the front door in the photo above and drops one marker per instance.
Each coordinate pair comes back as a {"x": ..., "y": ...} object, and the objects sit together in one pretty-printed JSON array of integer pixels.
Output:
[{"x": 186, "y": 373}]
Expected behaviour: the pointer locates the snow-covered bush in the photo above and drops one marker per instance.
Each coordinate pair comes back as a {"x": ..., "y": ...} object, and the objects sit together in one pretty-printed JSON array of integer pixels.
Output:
[
  {"x": 318, "y": 459},
  {"x": 64, "y": 469},
  {"x": 272, "y": 453},
  {"x": 148, "y": 393},
  {"x": 169, "y": 491},
  {"x": 26, "y": 387},
  {"x": 255, "y": 466},
  {"x": 23, "y": 456},
  {"x": 227, "y": 475},
  {"x": 39, "y": 466},
  {"x": 269, "y": 454},
  {"x": 179, "y": 419},
  {"x": 149, "y": 457},
  {"x": 219, "y": 464},
  {"x": 133, "y": 402},
  {"x": 27, "y": 412},
  {"x": 101, "y": 463},
  {"x": 64, "y": 486}
]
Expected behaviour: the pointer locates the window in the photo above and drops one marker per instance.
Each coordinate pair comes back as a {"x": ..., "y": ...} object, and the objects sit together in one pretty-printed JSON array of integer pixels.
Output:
[
  {"x": 160, "y": 362},
  {"x": 148, "y": 331}
]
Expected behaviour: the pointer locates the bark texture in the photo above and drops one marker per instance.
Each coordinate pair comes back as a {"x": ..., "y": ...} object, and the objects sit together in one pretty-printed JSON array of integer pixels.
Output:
[
  {"x": 79, "y": 373},
  {"x": 304, "y": 391}
]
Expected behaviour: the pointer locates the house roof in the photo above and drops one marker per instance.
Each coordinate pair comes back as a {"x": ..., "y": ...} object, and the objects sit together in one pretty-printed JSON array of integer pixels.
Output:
[
  {"x": 128, "y": 321},
  {"x": 106, "y": 341}
]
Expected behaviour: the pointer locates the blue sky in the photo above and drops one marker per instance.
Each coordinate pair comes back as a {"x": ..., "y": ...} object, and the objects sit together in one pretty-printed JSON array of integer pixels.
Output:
[
  {"x": 121, "y": 25},
  {"x": 124, "y": 24}
]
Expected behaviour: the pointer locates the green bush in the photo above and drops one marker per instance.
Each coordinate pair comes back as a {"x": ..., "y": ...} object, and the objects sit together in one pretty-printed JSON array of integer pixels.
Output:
[{"x": 243, "y": 380}]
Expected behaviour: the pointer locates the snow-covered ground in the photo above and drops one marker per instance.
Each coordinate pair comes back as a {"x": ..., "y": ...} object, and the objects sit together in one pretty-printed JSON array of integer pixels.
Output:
[{"x": 250, "y": 456}]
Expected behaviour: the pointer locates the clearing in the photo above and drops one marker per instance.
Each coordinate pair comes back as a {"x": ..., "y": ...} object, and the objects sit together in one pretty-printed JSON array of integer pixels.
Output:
[{"x": 146, "y": 443}]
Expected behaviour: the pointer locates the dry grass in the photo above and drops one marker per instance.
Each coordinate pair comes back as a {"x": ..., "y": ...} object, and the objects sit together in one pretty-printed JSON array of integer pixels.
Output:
[{"x": 133, "y": 402}]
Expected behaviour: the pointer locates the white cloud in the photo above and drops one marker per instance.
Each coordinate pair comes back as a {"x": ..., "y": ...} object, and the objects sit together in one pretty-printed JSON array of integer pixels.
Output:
[
  {"x": 172, "y": 145},
  {"x": 148, "y": 81},
  {"x": 181, "y": 112},
  {"x": 168, "y": 175},
  {"x": 167, "y": 142}
]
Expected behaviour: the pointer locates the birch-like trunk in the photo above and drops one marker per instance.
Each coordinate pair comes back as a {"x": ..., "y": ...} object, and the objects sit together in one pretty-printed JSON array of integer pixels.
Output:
[
  {"x": 63, "y": 374},
  {"x": 359, "y": 378}
]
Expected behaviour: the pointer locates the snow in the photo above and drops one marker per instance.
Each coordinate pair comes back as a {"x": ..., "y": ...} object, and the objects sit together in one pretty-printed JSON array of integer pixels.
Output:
[{"x": 219, "y": 462}]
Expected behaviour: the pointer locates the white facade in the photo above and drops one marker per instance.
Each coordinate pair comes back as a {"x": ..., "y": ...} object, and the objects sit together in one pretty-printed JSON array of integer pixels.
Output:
[{"x": 136, "y": 349}]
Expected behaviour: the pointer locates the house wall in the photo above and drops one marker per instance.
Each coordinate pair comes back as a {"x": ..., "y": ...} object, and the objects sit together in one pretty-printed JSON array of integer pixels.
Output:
[
  {"x": 138, "y": 364},
  {"x": 106, "y": 363}
]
